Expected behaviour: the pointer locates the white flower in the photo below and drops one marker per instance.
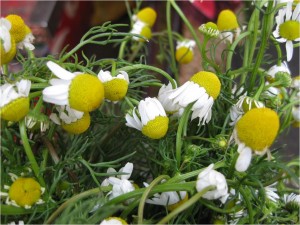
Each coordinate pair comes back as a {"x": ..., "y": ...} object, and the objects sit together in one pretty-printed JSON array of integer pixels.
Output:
[
  {"x": 121, "y": 184},
  {"x": 296, "y": 113},
  {"x": 275, "y": 69},
  {"x": 21, "y": 222},
  {"x": 66, "y": 115},
  {"x": 201, "y": 90},
  {"x": 113, "y": 221},
  {"x": 153, "y": 121},
  {"x": 291, "y": 198},
  {"x": 271, "y": 193},
  {"x": 190, "y": 44},
  {"x": 209, "y": 177},
  {"x": 5, "y": 36},
  {"x": 296, "y": 83},
  {"x": 115, "y": 88},
  {"x": 27, "y": 41},
  {"x": 80, "y": 91},
  {"x": 166, "y": 198},
  {"x": 10, "y": 92},
  {"x": 288, "y": 27},
  {"x": 142, "y": 29}
]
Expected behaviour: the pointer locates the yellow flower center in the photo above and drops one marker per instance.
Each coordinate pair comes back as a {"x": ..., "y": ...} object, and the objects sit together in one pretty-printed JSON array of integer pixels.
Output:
[
  {"x": 25, "y": 191},
  {"x": 209, "y": 81},
  {"x": 6, "y": 57},
  {"x": 123, "y": 222},
  {"x": 290, "y": 30},
  {"x": 258, "y": 128},
  {"x": 156, "y": 128},
  {"x": 181, "y": 202},
  {"x": 86, "y": 93},
  {"x": 18, "y": 27},
  {"x": 227, "y": 20},
  {"x": 27, "y": 30},
  {"x": 184, "y": 55},
  {"x": 78, "y": 126},
  {"x": 147, "y": 15},
  {"x": 15, "y": 110},
  {"x": 146, "y": 32},
  {"x": 115, "y": 89}
]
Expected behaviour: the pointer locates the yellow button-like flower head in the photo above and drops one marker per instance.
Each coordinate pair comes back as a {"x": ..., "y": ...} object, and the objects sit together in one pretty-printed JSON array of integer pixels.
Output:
[
  {"x": 209, "y": 29},
  {"x": 142, "y": 29},
  {"x": 115, "y": 88},
  {"x": 83, "y": 92},
  {"x": 25, "y": 192},
  {"x": 14, "y": 101},
  {"x": 184, "y": 51},
  {"x": 227, "y": 20},
  {"x": 153, "y": 121},
  {"x": 18, "y": 27},
  {"x": 146, "y": 15}
]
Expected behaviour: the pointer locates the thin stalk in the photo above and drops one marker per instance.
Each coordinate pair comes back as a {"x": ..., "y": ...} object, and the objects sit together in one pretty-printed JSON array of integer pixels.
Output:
[
  {"x": 122, "y": 50},
  {"x": 248, "y": 205},
  {"x": 186, "y": 205}
]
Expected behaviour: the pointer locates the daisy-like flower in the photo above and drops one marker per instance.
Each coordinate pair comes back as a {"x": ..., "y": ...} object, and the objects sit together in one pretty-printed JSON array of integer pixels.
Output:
[
  {"x": 288, "y": 27},
  {"x": 142, "y": 29},
  {"x": 171, "y": 199},
  {"x": 20, "y": 32},
  {"x": 296, "y": 116},
  {"x": 292, "y": 201},
  {"x": 71, "y": 120},
  {"x": 296, "y": 83},
  {"x": 255, "y": 131},
  {"x": 209, "y": 177},
  {"x": 7, "y": 42},
  {"x": 80, "y": 91},
  {"x": 184, "y": 51},
  {"x": 24, "y": 192},
  {"x": 35, "y": 121},
  {"x": 113, "y": 221},
  {"x": 228, "y": 25},
  {"x": 209, "y": 29},
  {"x": 163, "y": 96},
  {"x": 243, "y": 105},
  {"x": 120, "y": 184},
  {"x": 271, "y": 193},
  {"x": 152, "y": 119},
  {"x": 14, "y": 100},
  {"x": 115, "y": 88},
  {"x": 280, "y": 74},
  {"x": 21, "y": 222},
  {"x": 202, "y": 89},
  {"x": 146, "y": 15}
]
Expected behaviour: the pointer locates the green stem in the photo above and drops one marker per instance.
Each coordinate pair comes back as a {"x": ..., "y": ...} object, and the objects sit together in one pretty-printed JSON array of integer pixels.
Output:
[
  {"x": 5, "y": 69},
  {"x": 146, "y": 194},
  {"x": 218, "y": 209},
  {"x": 142, "y": 66},
  {"x": 248, "y": 205},
  {"x": 136, "y": 51},
  {"x": 186, "y": 205},
  {"x": 232, "y": 166},
  {"x": 278, "y": 49},
  {"x": 122, "y": 50},
  {"x": 170, "y": 39},
  {"x": 183, "y": 120},
  {"x": 29, "y": 153}
]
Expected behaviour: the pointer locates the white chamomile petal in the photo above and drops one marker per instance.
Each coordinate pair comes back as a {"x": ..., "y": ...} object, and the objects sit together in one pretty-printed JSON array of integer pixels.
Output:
[{"x": 59, "y": 71}]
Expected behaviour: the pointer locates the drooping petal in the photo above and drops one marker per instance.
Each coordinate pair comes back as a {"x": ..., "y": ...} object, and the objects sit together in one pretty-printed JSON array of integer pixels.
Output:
[
  {"x": 244, "y": 159},
  {"x": 289, "y": 50},
  {"x": 59, "y": 71}
]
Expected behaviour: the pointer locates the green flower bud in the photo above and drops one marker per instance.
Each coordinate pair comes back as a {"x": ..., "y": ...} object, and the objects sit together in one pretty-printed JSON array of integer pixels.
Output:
[
  {"x": 284, "y": 78},
  {"x": 209, "y": 29}
]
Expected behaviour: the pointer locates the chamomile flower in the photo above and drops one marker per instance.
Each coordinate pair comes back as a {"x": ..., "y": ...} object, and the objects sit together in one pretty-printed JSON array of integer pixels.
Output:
[
  {"x": 35, "y": 121},
  {"x": 296, "y": 116},
  {"x": 146, "y": 15},
  {"x": 280, "y": 74},
  {"x": 169, "y": 106},
  {"x": 71, "y": 120},
  {"x": 184, "y": 51},
  {"x": 255, "y": 131},
  {"x": 27, "y": 41},
  {"x": 113, "y": 221},
  {"x": 24, "y": 192},
  {"x": 142, "y": 29},
  {"x": 228, "y": 25},
  {"x": 171, "y": 199},
  {"x": 296, "y": 83},
  {"x": 7, "y": 42},
  {"x": 292, "y": 201},
  {"x": 201, "y": 90},
  {"x": 209, "y": 177},
  {"x": 21, "y": 222},
  {"x": 115, "y": 88},
  {"x": 209, "y": 29},
  {"x": 80, "y": 91},
  {"x": 18, "y": 27},
  {"x": 271, "y": 193},
  {"x": 288, "y": 27},
  {"x": 14, "y": 100},
  {"x": 152, "y": 119},
  {"x": 120, "y": 184}
]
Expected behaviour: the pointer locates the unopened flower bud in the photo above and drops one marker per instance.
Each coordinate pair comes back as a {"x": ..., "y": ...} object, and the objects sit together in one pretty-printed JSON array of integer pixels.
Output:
[{"x": 284, "y": 78}]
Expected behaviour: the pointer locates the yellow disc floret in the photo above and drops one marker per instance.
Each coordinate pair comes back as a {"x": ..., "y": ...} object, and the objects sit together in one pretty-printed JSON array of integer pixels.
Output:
[
  {"x": 86, "y": 93},
  {"x": 146, "y": 32},
  {"x": 25, "y": 191},
  {"x": 6, "y": 57},
  {"x": 15, "y": 110},
  {"x": 147, "y": 15},
  {"x": 184, "y": 55},
  {"x": 18, "y": 27},
  {"x": 181, "y": 202},
  {"x": 156, "y": 128},
  {"x": 115, "y": 89},
  {"x": 209, "y": 81},
  {"x": 258, "y": 128},
  {"x": 78, "y": 126},
  {"x": 227, "y": 20},
  {"x": 290, "y": 30}
]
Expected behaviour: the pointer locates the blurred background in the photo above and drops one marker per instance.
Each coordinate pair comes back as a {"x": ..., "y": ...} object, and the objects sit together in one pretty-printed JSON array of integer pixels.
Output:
[{"x": 60, "y": 24}]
